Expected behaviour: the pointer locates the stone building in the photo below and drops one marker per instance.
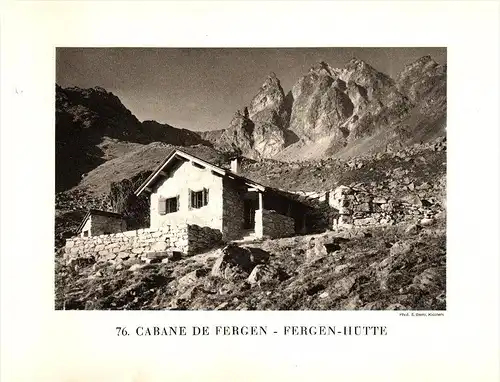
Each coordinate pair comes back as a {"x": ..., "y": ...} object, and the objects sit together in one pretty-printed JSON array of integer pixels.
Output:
[
  {"x": 98, "y": 222},
  {"x": 185, "y": 189}
]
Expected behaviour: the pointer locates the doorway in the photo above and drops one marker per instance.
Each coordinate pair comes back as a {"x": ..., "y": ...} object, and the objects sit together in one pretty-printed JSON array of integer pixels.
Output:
[{"x": 249, "y": 208}]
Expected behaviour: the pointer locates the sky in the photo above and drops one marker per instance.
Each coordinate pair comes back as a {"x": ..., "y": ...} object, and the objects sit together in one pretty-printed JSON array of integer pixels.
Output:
[{"x": 201, "y": 89}]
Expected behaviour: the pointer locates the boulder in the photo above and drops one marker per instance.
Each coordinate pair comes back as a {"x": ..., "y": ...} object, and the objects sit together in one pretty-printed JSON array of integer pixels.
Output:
[
  {"x": 392, "y": 280},
  {"x": 135, "y": 267},
  {"x": 342, "y": 287},
  {"x": 264, "y": 273},
  {"x": 431, "y": 279},
  {"x": 412, "y": 199},
  {"x": 400, "y": 248},
  {"x": 425, "y": 222},
  {"x": 236, "y": 262},
  {"x": 192, "y": 277},
  {"x": 413, "y": 228},
  {"x": 157, "y": 257}
]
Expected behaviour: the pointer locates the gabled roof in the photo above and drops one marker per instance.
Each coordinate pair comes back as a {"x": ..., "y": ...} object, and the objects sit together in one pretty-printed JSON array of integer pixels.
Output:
[
  {"x": 179, "y": 154},
  {"x": 100, "y": 213}
]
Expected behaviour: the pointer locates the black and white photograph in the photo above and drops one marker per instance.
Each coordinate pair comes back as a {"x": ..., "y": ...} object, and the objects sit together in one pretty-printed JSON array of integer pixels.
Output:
[
  {"x": 249, "y": 191},
  {"x": 250, "y": 178}
]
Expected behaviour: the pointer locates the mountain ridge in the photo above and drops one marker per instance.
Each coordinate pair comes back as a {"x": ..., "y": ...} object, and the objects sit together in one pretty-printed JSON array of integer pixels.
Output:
[
  {"x": 332, "y": 111},
  {"x": 328, "y": 112}
]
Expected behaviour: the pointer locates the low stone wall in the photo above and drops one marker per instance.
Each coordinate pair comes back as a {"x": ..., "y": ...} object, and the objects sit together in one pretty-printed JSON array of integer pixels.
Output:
[
  {"x": 364, "y": 205},
  {"x": 188, "y": 239},
  {"x": 269, "y": 223},
  {"x": 359, "y": 208}
]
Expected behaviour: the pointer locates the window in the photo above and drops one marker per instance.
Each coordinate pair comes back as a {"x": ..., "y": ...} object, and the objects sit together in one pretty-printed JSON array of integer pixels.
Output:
[
  {"x": 198, "y": 199},
  {"x": 167, "y": 206},
  {"x": 85, "y": 233},
  {"x": 172, "y": 205}
]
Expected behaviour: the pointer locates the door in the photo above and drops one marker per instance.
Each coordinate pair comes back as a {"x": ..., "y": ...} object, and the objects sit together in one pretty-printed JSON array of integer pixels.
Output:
[{"x": 249, "y": 214}]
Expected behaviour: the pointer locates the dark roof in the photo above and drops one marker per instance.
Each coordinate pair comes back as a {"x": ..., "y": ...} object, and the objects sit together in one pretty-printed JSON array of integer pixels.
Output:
[
  {"x": 98, "y": 212},
  {"x": 105, "y": 213},
  {"x": 188, "y": 156}
]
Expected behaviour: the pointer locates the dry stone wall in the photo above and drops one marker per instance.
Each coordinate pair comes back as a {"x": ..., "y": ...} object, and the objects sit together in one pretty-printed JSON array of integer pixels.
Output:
[
  {"x": 364, "y": 205},
  {"x": 188, "y": 239},
  {"x": 232, "y": 211},
  {"x": 269, "y": 223}
]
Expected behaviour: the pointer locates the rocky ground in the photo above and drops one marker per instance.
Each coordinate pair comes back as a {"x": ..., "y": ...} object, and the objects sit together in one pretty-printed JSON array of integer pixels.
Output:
[
  {"x": 417, "y": 164},
  {"x": 397, "y": 267},
  {"x": 352, "y": 126}
]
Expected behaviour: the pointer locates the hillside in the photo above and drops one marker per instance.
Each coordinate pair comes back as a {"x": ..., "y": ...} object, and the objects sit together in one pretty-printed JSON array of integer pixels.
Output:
[
  {"x": 393, "y": 268},
  {"x": 93, "y": 127},
  {"x": 144, "y": 158}
]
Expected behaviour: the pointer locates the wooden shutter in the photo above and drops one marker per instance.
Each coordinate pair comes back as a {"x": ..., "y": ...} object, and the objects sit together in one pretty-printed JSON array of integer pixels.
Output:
[
  {"x": 162, "y": 206},
  {"x": 177, "y": 206},
  {"x": 190, "y": 199},
  {"x": 205, "y": 196}
]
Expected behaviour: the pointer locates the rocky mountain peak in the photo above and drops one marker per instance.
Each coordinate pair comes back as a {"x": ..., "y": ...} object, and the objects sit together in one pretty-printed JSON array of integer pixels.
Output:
[
  {"x": 363, "y": 74},
  {"x": 424, "y": 83},
  {"x": 258, "y": 130},
  {"x": 269, "y": 97},
  {"x": 357, "y": 63},
  {"x": 424, "y": 64},
  {"x": 324, "y": 69}
]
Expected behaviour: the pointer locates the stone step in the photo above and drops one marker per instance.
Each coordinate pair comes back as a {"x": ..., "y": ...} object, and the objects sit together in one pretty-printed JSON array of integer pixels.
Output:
[{"x": 247, "y": 236}]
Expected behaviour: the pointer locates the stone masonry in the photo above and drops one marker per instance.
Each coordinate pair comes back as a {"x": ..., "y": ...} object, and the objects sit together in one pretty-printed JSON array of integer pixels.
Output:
[
  {"x": 188, "y": 239},
  {"x": 232, "y": 211},
  {"x": 366, "y": 205},
  {"x": 269, "y": 223}
]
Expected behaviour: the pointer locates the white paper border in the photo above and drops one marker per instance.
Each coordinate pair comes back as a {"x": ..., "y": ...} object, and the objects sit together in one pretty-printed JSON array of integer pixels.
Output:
[{"x": 40, "y": 344}]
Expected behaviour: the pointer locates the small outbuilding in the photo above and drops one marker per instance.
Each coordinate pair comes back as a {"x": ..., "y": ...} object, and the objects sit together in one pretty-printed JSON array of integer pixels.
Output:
[{"x": 98, "y": 222}]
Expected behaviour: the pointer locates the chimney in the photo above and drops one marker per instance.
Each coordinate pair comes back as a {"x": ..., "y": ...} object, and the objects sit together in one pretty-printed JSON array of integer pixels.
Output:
[{"x": 235, "y": 165}]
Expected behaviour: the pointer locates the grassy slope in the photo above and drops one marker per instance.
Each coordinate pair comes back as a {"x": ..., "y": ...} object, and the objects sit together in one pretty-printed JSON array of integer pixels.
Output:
[
  {"x": 377, "y": 268},
  {"x": 144, "y": 158},
  {"x": 424, "y": 164}
]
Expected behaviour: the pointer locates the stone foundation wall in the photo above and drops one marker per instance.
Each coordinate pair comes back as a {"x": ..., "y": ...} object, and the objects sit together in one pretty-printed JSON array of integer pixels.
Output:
[
  {"x": 269, "y": 223},
  {"x": 188, "y": 239}
]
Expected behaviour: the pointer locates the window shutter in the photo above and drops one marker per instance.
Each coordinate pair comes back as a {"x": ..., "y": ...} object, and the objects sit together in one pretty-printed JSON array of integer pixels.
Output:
[
  {"x": 162, "y": 206},
  {"x": 177, "y": 206},
  {"x": 190, "y": 199},
  {"x": 205, "y": 196}
]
